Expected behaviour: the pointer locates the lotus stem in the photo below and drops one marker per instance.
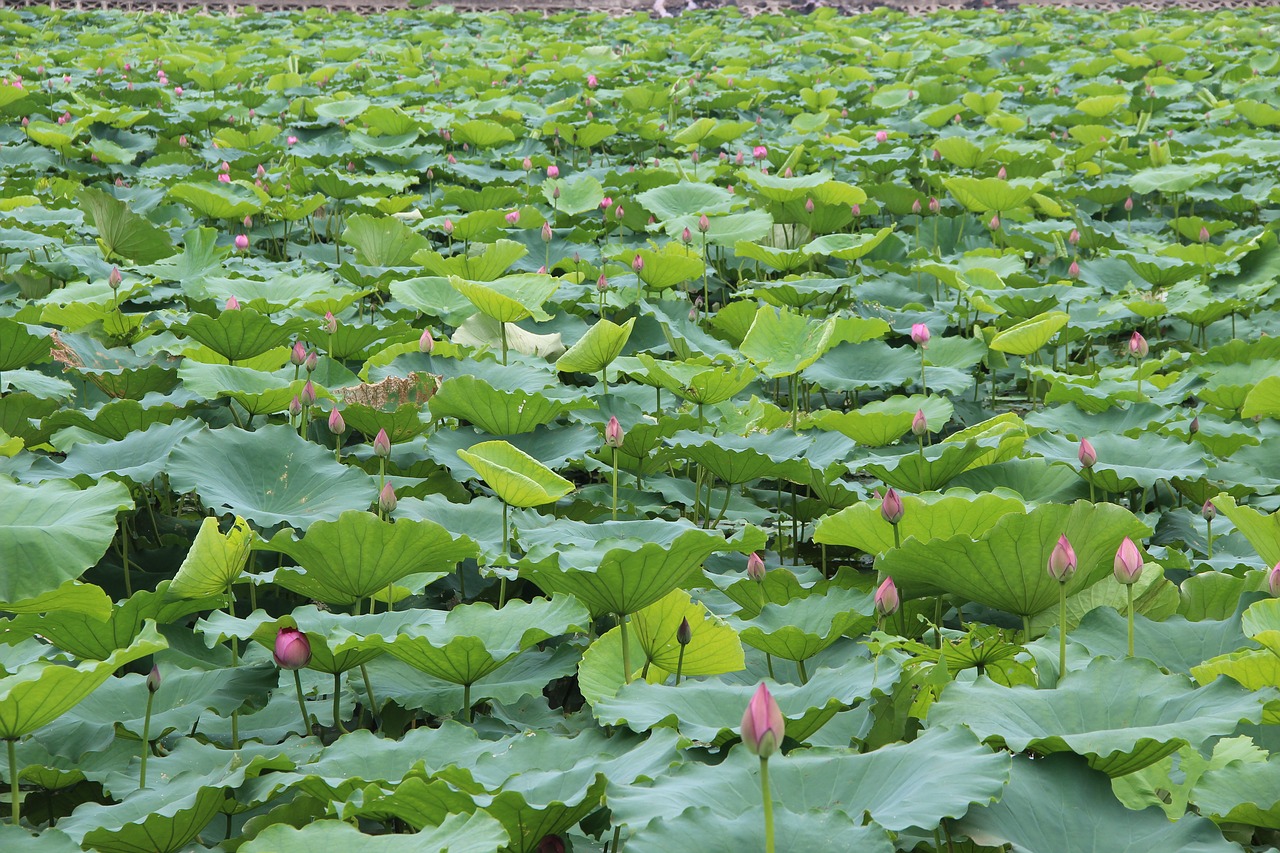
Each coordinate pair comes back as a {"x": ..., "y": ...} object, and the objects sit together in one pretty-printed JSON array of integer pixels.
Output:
[
  {"x": 368, "y": 689},
  {"x": 767, "y": 801},
  {"x": 337, "y": 448},
  {"x": 937, "y": 621},
  {"x": 615, "y": 483},
  {"x": 15, "y": 808},
  {"x": 1062, "y": 630},
  {"x": 1129, "y": 589},
  {"x": 146, "y": 741},
  {"x": 679, "y": 666},
  {"x": 626, "y": 649},
  {"x": 897, "y": 537},
  {"x": 302, "y": 706},
  {"x": 124, "y": 557},
  {"x": 1208, "y": 532},
  {"x": 466, "y": 701},
  {"x": 337, "y": 697},
  {"x": 804, "y": 675},
  {"x": 924, "y": 389},
  {"x": 617, "y": 837},
  {"x": 502, "y": 584},
  {"x": 768, "y": 659},
  {"x": 502, "y": 332}
]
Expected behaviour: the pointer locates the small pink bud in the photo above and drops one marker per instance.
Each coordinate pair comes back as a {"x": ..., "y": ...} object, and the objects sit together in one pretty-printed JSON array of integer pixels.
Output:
[
  {"x": 606, "y": 203},
  {"x": 224, "y": 178},
  {"x": 546, "y": 232},
  {"x": 704, "y": 224},
  {"x": 1087, "y": 455},
  {"x": 920, "y": 334},
  {"x": 1138, "y": 345},
  {"x": 602, "y": 284},
  {"x": 763, "y": 726},
  {"x": 592, "y": 81},
  {"x": 1128, "y": 562},
  {"x": 1073, "y": 271},
  {"x": 291, "y": 140},
  {"x": 808, "y": 205},
  {"x": 994, "y": 224},
  {"x": 448, "y": 227},
  {"x": 887, "y": 600},
  {"x": 308, "y": 395},
  {"x": 856, "y": 210},
  {"x": 755, "y": 567},
  {"x": 1209, "y": 512},
  {"x": 527, "y": 165},
  {"x": 686, "y": 236},
  {"x": 891, "y": 508},
  {"x": 1128, "y": 204},
  {"x": 182, "y": 141},
  {"x": 387, "y": 499},
  {"x": 177, "y": 90},
  {"x": 1002, "y": 174},
  {"x": 881, "y": 136},
  {"x": 330, "y": 323},
  {"x": 381, "y": 444},
  {"x": 760, "y": 152},
  {"x": 153, "y": 679},
  {"x": 513, "y": 218},
  {"x": 298, "y": 355},
  {"x": 919, "y": 424},
  {"x": 1204, "y": 234},
  {"x": 1074, "y": 237},
  {"x": 233, "y": 304},
  {"x": 337, "y": 425},
  {"x": 242, "y": 242},
  {"x": 637, "y": 263},
  {"x": 553, "y": 171},
  {"x": 292, "y": 650},
  {"x": 295, "y": 407},
  {"x": 426, "y": 343},
  {"x": 114, "y": 278},
  {"x": 936, "y": 156},
  {"x": 915, "y": 206},
  {"x": 1062, "y": 561},
  {"x": 613, "y": 433}
]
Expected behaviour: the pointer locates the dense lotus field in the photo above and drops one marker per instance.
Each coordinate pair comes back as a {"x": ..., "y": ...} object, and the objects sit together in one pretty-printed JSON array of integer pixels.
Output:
[{"x": 428, "y": 432}]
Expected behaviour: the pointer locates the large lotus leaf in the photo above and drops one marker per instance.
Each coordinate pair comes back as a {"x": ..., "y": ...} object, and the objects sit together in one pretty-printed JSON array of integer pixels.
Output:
[
  {"x": 241, "y": 334},
  {"x": 1262, "y": 622},
  {"x": 1058, "y": 805},
  {"x": 619, "y": 566},
  {"x": 1006, "y": 567},
  {"x": 577, "y": 195},
  {"x": 909, "y": 470},
  {"x": 20, "y": 346},
  {"x": 458, "y": 833},
  {"x": 781, "y": 188},
  {"x": 270, "y": 476},
  {"x": 121, "y": 232},
  {"x": 1168, "y": 783},
  {"x": 874, "y": 364},
  {"x": 40, "y": 692},
  {"x": 924, "y": 517},
  {"x": 1241, "y": 791},
  {"x": 786, "y": 260},
  {"x": 707, "y": 710},
  {"x": 821, "y": 829},
  {"x": 258, "y": 392},
  {"x": 1261, "y": 529},
  {"x": 713, "y": 646},
  {"x": 72, "y": 597},
  {"x": 597, "y": 349},
  {"x": 885, "y": 421},
  {"x": 674, "y": 264},
  {"x": 163, "y": 819},
  {"x": 52, "y": 532},
  {"x": 741, "y": 459},
  {"x": 848, "y": 247},
  {"x": 383, "y": 241},
  {"x": 801, "y": 628},
  {"x": 359, "y": 554},
  {"x": 214, "y": 561},
  {"x": 17, "y": 839},
  {"x": 687, "y": 198},
  {"x": 940, "y": 774},
  {"x": 1121, "y": 715},
  {"x": 499, "y": 412},
  {"x": 339, "y": 641},
  {"x": 518, "y": 478},
  {"x": 782, "y": 343},
  {"x": 475, "y": 639},
  {"x": 701, "y": 381},
  {"x": 1126, "y": 463},
  {"x": 485, "y": 263},
  {"x": 511, "y": 298},
  {"x": 989, "y": 195},
  {"x": 1030, "y": 335},
  {"x": 116, "y": 419},
  {"x": 218, "y": 200}
]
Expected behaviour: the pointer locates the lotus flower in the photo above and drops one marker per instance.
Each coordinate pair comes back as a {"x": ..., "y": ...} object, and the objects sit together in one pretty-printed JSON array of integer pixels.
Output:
[
  {"x": 387, "y": 499},
  {"x": 759, "y": 152},
  {"x": 891, "y": 508},
  {"x": 887, "y": 600},
  {"x": 1138, "y": 345},
  {"x": 1128, "y": 204},
  {"x": 994, "y": 224},
  {"x": 613, "y": 433},
  {"x": 292, "y": 650},
  {"x": 1128, "y": 562},
  {"x": 934, "y": 205},
  {"x": 919, "y": 424},
  {"x": 763, "y": 726},
  {"x": 330, "y": 323},
  {"x": 1062, "y": 561},
  {"x": 298, "y": 355},
  {"x": 242, "y": 242},
  {"x": 553, "y": 171},
  {"x": 637, "y": 263},
  {"x": 1002, "y": 174},
  {"x": 513, "y": 218},
  {"x": 114, "y": 278},
  {"x": 295, "y": 407},
  {"x": 1209, "y": 512},
  {"x": 426, "y": 343},
  {"x": 882, "y": 137},
  {"x": 233, "y": 304},
  {"x": 308, "y": 395},
  {"x": 920, "y": 334},
  {"x": 1204, "y": 234},
  {"x": 704, "y": 224},
  {"x": 1074, "y": 237},
  {"x": 686, "y": 236},
  {"x": 381, "y": 444},
  {"x": 337, "y": 425},
  {"x": 1073, "y": 271},
  {"x": 755, "y": 567},
  {"x": 1087, "y": 455}
]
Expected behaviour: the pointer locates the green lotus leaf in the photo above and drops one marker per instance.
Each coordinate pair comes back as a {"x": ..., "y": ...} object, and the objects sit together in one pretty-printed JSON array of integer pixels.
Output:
[
  {"x": 1263, "y": 400},
  {"x": 22, "y": 345},
  {"x": 1241, "y": 791},
  {"x": 486, "y": 263},
  {"x": 597, "y": 349},
  {"x": 216, "y": 200},
  {"x": 258, "y": 392},
  {"x": 716, "y": 833},
  {"x": 907, "y": 469},
  {"x": 499, "y": 412},
  {"x": 1261, "y": 529},
  {"x": 511, "y": 298},
  {"x": 900, "y": 786},
  {"x": 782, "y": 343},
  {"x": 1005, "y": 567},
  {"x": 518, "y": 478},
  {"x": 53, "y": 532},
  {"x": 882, "y": 422},
  {"x": 855, "y": 367},
  {"x": 85, "y": 599},
  {"x": 801, "y": 628},
  {"x": 1262, "y": 623},
  {"x": 623, "y": 566},
  {"x": 701, "y": 381},
  {"x": 270, "y": 476},
  {"x": 151, "y": 820},
  {"x": 1169, "y": 782},
  {"x": 1173, "y": 178},
  {"x": 1030, "y": 815},
  {"x": 116, "y": 419},
  {"x": 383, "y": 241},
  {"x": 713, "y": 646},
  {"x": 740, "y": 459},
  {"x": 458, "y": 833},
  {"x": 674, "y": 264},
  {"x": 121, "y": 232},
  {"x": 778, "y": 188},
  {"x": 214, "y": 561},
  {"x": 847, "y": 247},
  {"x": 579, "y": 194},
  {"x": 1121, "y": 715},
  {"x": 483, "y": 133},
  {"x": 688, "y": 198},
  {"x": 924, "y": 517},
  {"x": 38, "y": 693},
  {"x": 1031, "y": 335},
  {"x": 238, "y": 335},
  {"x": 989, "y": 195},
  {"x": 18, "y": 840},
  {"x": 784, "y": 260}
]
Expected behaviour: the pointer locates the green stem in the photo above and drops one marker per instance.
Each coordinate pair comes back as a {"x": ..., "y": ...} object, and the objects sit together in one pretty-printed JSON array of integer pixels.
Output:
[
  {"x": 1026, "y": 628},
  {"x": 804, "y": 675},
  {"x": 679, "y": 665},
  {"x": 337, "y": 709},
  {"x": 146, "y": 741},
  {"x": 1062, "y": 630},
  {"x": 1208, "y": 532},
  {"x": 937, "y": 621},
  {"x": 767, "y": 801},
  {"x": 617, "y": 838},
  {"x": 124, "y": 556},
  {"x": 368, "y": 689},
  {"x": 615, "y": 483},
  {"x": 466, "y": 701},
  {"x": 502, "y": 585},
  {"x": 897, "y": 537},
  {"x": 502, "y": 330},
  {"x": 302, "y": 706},
  {"x": 15, "y": 808},
  {"x": 337, "y": 448},
  {"x": 924, "y": 389},
  {"x": 1129, "y": 589},
  {"x": 768, "y": 659},
  {"x": 626, "y": 649}
]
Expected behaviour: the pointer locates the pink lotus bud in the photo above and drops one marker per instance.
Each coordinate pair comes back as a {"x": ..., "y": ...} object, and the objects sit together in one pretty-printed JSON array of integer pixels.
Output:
[
  {"x": 1074, "y": 237},
  {"x": 613, "y": 434},
  {"x": 1128, "y": 562},
  {"x": 242, "y": 242},
  {"x": 177, "y": 90},
  {"x": 606, "y": 203},
  {"x": 887, "y": 600},
  {"x": 684, "y": 634},
  {"x": 546, "y": 232},
  {"x": 555, "y": 193},
  {"x": 387, "y": 499},
  {"x": 1209, "y": 512},
  {"x": 686, "y": 236},
  {"x": 513, "y": 218},
  {"x": 291, "y": 140},
  {"x": 26, "y": 121},
  {"x": 1073, "y": 271},
  {"x": 637, "y": 263},
  {"x": 919, "y": 424},
  {"x": 153, "y": 679},
  {"x": 298, "y": 355},
  {"x": 381, "y": 444},
  {"x": 337, "y": 425},
  {"x": 293, "y": 649},
  {"x": 1128, "y": 204},
  {"x": 1087, "y": 455},
  {"x": 1062, "y": 561},
  {"x": 308, "y": 395},
  {"x": 1138, "y": 345},
  {"x": 233, "y": 304},
  {"x": 994, "y": 224},
  {"x": 592, "y": 81},
  {"x": 762, "y": 725},
  {"x": 759, "y": 152},
  {"x": 936, "y": 156},
  {"x": 737, "y": 160},
  {"x": 920, "y": 334},
  {"x": 915, "y": 206},
  {"x": 1273, "y": 580},
  {"x": 856, "y": 210},
  {"x": 114, "y": 278},
  {"x": 618, "y": 212},
  {"x": 527, "y": 164},
  {"x": 553, "y": 171},
  {"x": 755, "y": 567},
  {"x": 426, "y": 343},
  {"x": 295, "y": 407},
  {"x": 330, "y": 323},
  {"x": 448, "y": 227},
  {"x": 881, "y": 136},
  {"x": 1002, "y": 174},
  {"x": 451, "y": 160},
  {"x": 704, "y": 224},
  {"x": 808, "y": 205},
  {"x": 891, "y": 508},
  {"x": 311, "y": 362},
  {"x": 602, "y": 284},
  {"x": 1204, "y": 234},
  {"x": 1194, "y": 426},
  {"x": 182, "y": 141},
  {"x": 224, "y": 178}
]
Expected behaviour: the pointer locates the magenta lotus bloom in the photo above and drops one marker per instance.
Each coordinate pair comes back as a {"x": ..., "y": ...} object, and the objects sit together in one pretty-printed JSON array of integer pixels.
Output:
[
  {"x": 381, "y": 444},
  {"x": 242, "y": 242},
  {"x": 763, "y": 726},
  {"x": 293, "y": 649},
  {"x": 686, "y": 236},
  {"x": 1128, "y": 562},
  {"x": 613, "y": 433},
  {"x": 891, "y": 508},
  {"x": 920, "y": 334},
  {"x": 887, "y": 600},
  {"x": 387, "y": 499},
  {"x": 233, "y": 304},
  {"x": 1273, "y": 580},
  {"x": 760, "y": 152},
  {"x": 1062, "y": 561},
  {"x": 919, "y": 424},
  {"x": 553, "y": 171},
  {"x": 426, "y": 343},
  {"x": 1073, "y": 271},
  {"x": 755, "y": 567},
  {"x": 291, "y": 140},
  {"x": 1087, "y": 455},
  {"x": 1138, "y": 347},
  {"x": 513, "y": 218},
  {"x": 337, "y": 425},
  {"x": 881, "y": 136}
]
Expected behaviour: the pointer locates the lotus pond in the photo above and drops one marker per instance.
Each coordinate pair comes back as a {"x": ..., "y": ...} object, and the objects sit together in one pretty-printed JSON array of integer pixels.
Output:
[{"x": 427, "y": 432}]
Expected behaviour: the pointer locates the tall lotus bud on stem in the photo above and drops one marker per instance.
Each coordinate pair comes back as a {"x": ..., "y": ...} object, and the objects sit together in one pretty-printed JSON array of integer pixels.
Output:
[
  {"x": 308, "y": 395},
  {"x": 293, "y": 652},
  {"x": 1128, "y": 568},
  {"x": 686, "y": 236},
  {"x": 808, "y": 206},
  {"x": 755, "y": 567},
  {"x": 934, "y": 205},
  {"x": 886, "y": 599},
  {"x": 1002, "y": 174},
  {"x": 1062, "y": 565},
  {"x": 637, "y": 263},
  {"x": 337, "y": 426},
  {"x": 1087, "y": 455},
  {"x": 426, "y": 343},
  {"x": 1074, "y": 237},
  {"x": 994, "y": 223},
  {"x": 1273, "y": 580},
  {"x": 114, "y": 278},
  {"x": 295, "y": 407},
  {"x": 602, "y": 284},
  {"x": 920, "y": 334},
  {"x": 330, "y": 323},
  {"x": 891, "y": 508},
  {"x": 1073, "y": 271},
  {"x": 684, "y": 636},
  {"x": 920, "y": 426},
  {"x": 704, "y": 224},
  {"x": 242, "y": 242},
  {"x": 153, "y": 679},
  {"x": 297, "y": 355},
  {"x": 613, "y": 433},
  {"x": 1138, "y": 349},
  {"x": 553, "y": 171},
  {"x": 1128, "y": 204},
  {"x": 153, "y": 684},
  {"x": 882, "y": 137},
  {"x": 915, "y": 206},
  {"x": 1208, "y": 512},
  {"x": 763, "y": 728},
  {"x": 312, "y": 362},
  {"x": 381, "y": 444},
  {"x": 448, "y": 228},
  {"x": 386, "y": 500},
  {"x": 1204, "y": 234}
]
